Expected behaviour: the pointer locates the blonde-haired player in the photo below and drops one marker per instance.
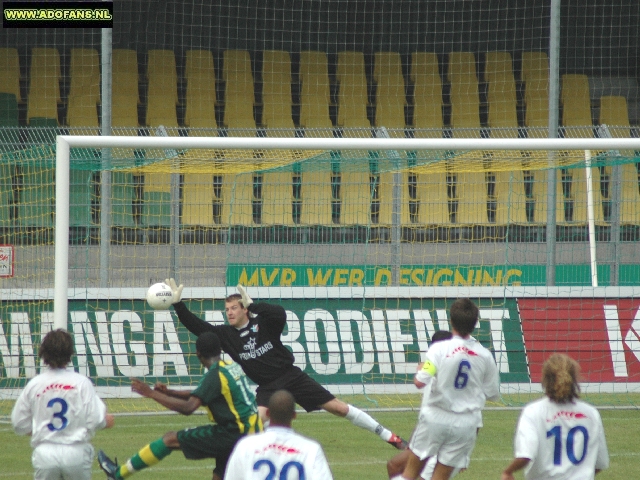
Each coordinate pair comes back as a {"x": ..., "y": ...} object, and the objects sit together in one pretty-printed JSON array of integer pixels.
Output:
[
  {"x": 559, "y": 436},
  {"x": 61, "y": 411}
]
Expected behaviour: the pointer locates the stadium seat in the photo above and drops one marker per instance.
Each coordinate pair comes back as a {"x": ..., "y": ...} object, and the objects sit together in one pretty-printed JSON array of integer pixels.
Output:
[
  {"x": 161, "y": 112},
  {"x": 510, "y": 199},
  {"x": 200, "y": 102},
  {"x": 237, "y": 73},
  {"x": 125, "y": 84},
  {"x": 432, "y": 200},
  {"x": 385, "y": 199},
  {"x": 471, "y": 196},
  {"x": 350, "y": 64},
  {"x": 10, "y": 72},
  {"x": 82, "y": 112},
  {"x": 537, "y": 117},
  {"x": 124, "y": 111},
  {"x": 237, "y": 199},
  {"x": 313, "y": 62},
  {"x": 579, "y": 196},
  {"x": 156, "y": 206},
  {"x": 123, "y": 193},
  {"x": 81, "y": 194},
  {"x": 630, "y": 195},
  {"x": 501, "y": 96},
  {"x": 355, "y": 192},
  {"x": 535, "y": 66},
  {"x": 497, "y": 65},
  {"x": 427, "y": 95},
  {"x": 85, "y": 73},
  {"x": 199, "y": 63},
  {"x": 276, "y": 90},
  {"x": 317, "y": 199},
  {"x": 390, "y": 93},
  {"x": 576, "y": 104},
  {"x": 462, "y": 66},
  {"x": 197, "y": 200},
  {"x": 125, "y": 60},
  {"x": 539, "y": 194},
  {"x": 6, "y": 194},
  {"x": 44, "y": 72},
  {"x": 614, "y": 114},
  {"x": 277, "y": 199},
  {"x": 465, "y": 110},
  {"x": 36, "y": 196},
  {"x": 41, "y": 107}
]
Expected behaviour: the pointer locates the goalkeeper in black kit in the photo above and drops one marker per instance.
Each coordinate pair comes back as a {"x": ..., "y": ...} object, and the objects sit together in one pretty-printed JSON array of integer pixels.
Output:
[{"x": 252, "y": 339}]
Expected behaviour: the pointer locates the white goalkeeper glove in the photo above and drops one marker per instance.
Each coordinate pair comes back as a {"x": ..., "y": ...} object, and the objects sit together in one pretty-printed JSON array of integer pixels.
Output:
[
  {"x": 246, "y": 299},
  {"x": 175, "y": 289}
]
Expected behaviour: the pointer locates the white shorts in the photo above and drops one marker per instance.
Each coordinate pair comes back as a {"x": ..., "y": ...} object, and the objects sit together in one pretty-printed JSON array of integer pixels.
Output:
[
  {"x": 452, "y": 444},
  {"x": 54, "y": 461}
]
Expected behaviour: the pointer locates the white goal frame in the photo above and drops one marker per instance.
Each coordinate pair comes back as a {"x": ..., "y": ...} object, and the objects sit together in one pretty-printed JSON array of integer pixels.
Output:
[{"x": 64, "y": 143}]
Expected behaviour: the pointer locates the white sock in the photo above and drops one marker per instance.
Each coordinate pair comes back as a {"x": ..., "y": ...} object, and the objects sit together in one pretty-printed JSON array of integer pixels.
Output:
[
  {"x": 366, "y": 421},
  {"x": 266, "y": 423},
  {"x": 398, "y": 477}
]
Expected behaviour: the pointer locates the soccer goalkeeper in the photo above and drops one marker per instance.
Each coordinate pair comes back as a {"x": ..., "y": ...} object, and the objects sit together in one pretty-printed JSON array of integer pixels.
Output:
[{"x": 254, "y": 342}]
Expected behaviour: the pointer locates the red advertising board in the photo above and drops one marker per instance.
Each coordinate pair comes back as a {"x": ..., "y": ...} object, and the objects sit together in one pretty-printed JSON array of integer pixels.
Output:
[{"x": 603, "y": 335}]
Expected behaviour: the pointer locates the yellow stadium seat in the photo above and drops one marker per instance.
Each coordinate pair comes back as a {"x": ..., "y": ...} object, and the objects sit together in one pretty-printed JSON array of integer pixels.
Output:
[
  {"x": 535, "y": 66},
  {"x": 350, "y": 64},
  {"x": 387, "y": 64},
  {"x": 197, "y": 200},
  {"x": 497, "y": 64},
  {"x": 10, "y": 72},
  {"x": 314, "y": 112},
  {"x": 199, "y": 63},
  {"x": 124, "y": 111},
  {"x": 352, "y": 115},
  {"x": 579, "y": 196},
  {"x": 576, "y": 103},
  {"x": 237, "y": 199},
  {"x": 236, "y": 69},
  {"x": 355, "y": 190},
  {"x": 276, "y": 64},
  {"x": 537, "y": 115},
  {"x": 427, "y": 110},
  {"x": 614, "y": 113},
  {"x": 630, "y": 195},
  {"x": 539, "y": 186},
  {"x": 277, "y": 199},
  {"x": 471, "y": 196},
  {"x": 390, "y": 102},
  {"x": 42, "y": 107},
  {"x": 313, "y": 63},
  {"x": 161, "y": 62},
  {"x": 125, "y": 60},
  {"x": 161, "y": 112},
  {"x": 510, "y": 198},
  {"x": 165, "y": 86},
  {"x": 461, "y": 65},
  {"x": 317, "y": 199},
  {"x": 82, "y": 111},
  {"x": 85, "y": 73},
  {"x": 432, "y": 199},
  {"x": 238, "y": 110},
  {"x": 46, "y": 60},
  {"x": 200, "y": 102}
]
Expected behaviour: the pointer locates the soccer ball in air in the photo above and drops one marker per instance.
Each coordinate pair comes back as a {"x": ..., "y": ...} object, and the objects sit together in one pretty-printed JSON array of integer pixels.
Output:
[{"x": 159, "y": 296}]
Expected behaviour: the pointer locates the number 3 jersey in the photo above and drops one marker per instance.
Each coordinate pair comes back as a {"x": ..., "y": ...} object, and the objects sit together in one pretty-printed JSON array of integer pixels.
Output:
[
  {"x": 563, "y": 440},
  {"x": 464, "y": 376},
  {"x": 58, "y": 406},
  {"x": 279, "y": 452}
]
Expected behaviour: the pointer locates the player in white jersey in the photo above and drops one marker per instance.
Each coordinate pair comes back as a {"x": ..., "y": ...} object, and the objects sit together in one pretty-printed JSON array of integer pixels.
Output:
[
  {"x": 396, "y": 465},
  {"x": 279, "y": 452},
  {"x": 559, "y": 436},
  {"x": 462, "y": 376},
  {"x": 61, "y": 411}
]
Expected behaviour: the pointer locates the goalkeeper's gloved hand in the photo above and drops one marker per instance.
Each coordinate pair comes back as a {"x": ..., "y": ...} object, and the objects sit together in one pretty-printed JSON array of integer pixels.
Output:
[
  {"x": 175, "y": 289},
  {"x": 246, "y": 299}
]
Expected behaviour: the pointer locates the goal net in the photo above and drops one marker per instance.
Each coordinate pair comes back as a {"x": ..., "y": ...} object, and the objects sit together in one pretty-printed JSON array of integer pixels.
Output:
[{"x": 365, "y": 242}]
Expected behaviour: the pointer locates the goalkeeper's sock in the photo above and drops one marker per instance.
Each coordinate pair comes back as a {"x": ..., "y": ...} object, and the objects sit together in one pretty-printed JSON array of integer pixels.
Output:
[
  {"x": 146, "y": 457},
  {"x": 366, "y": 421}
]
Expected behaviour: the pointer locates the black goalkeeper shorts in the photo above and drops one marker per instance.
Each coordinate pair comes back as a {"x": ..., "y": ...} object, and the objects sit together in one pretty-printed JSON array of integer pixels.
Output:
[{"x": 308, "y": 393}]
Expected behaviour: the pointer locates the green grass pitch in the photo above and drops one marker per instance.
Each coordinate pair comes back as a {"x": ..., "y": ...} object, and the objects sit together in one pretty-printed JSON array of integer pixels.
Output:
[{"x": 352, "y": 452}]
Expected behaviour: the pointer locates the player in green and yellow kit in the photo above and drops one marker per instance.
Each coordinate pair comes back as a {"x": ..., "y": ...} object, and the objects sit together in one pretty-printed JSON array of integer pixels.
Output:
[{"x": 223, "y": 391}]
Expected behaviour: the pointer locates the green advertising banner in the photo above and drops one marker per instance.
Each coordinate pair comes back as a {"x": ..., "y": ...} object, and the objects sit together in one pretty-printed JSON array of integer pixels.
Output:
[
  {"x": 337, "y": 341},
  {"x": 265, "y": 275}
]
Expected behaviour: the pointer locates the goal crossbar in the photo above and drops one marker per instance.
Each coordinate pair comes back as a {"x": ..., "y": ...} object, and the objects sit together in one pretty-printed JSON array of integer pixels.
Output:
[{"x": 64, "y": 143}]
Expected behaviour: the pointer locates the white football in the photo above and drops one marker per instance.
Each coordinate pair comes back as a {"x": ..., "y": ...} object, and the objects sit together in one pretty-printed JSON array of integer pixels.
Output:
[{"x": 159, "y": 296}]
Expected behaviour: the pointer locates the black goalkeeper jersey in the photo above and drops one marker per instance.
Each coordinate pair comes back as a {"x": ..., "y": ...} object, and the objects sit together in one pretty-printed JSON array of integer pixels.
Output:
[{"x": 256, "y": 347}]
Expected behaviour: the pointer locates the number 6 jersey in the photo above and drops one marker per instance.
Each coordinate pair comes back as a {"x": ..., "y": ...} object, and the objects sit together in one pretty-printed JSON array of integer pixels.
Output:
[{"x": 58, "y": 406}]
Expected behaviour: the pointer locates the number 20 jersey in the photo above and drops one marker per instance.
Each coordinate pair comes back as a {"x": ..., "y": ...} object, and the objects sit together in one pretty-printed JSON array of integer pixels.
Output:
[
  {"x": 279, "y": 452},
  {"x": 59, "y": 406}
]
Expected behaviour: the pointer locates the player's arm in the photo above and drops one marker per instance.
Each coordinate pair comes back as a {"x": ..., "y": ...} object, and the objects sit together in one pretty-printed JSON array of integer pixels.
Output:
[
  {"x": 192, "y": 323},
  {"x": 424, "y": 374},
  {"x": 180, "y": 405},
  {"x": 21, "y": 416},
  {"x": 514, "y": 466},
  {"x": 161, "y": 387},
  {"x": 274, "y": 316}
]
